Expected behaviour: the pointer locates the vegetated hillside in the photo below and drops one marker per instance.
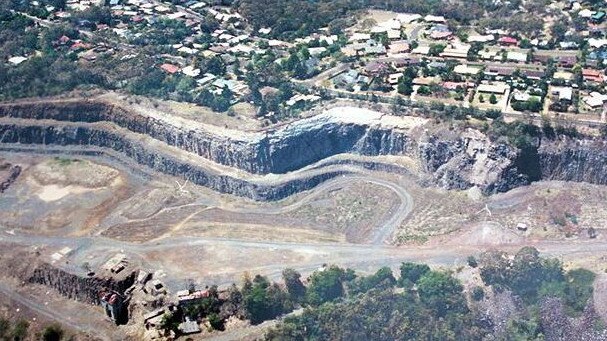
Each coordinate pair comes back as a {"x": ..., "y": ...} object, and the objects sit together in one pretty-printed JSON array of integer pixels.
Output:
[
  {"x": 524, "y": 297},
  {"x": 290, "y": 18}
]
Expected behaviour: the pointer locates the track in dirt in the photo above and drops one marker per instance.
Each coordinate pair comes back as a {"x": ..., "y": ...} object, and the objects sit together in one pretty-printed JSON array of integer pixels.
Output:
[{"x": 379, "y": 234}]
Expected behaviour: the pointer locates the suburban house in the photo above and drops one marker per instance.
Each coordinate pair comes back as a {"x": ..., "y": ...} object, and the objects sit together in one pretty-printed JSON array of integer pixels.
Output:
[
  {"x": 508, "y": 41},
  {"x": 497, "y": 88},
  {"x": 399, "y": 47},
  {"x": 598, "y": 17},
  {"x": 533, "y": 74},
  {"x": 566, "y": 61},
  {"x": 439, "y": 32},
  {"x": 375, "y": 69},
  {"x": 464, "y": 69},
  {"x": 591, "y": 75},
  {"x": 502, "y": 71},
  {"x": 170, "y": 68},
  {"x": 401, "y": 63},
  {"x": 456, "y": 51},
  {"x": 595, "y": 100},
  {"x": 562, "y": 94},
  {"x": 516, "y": 56}
]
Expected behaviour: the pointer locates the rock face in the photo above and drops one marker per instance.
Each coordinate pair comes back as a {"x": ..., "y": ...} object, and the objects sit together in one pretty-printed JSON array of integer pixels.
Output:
[
  {"x": 159, "y": 160},
  {"x": 573, "y": 160},
  {"x": 8, "y": 174},
  {"x": 276, "y": 151},
  {"x": 452, "y": 160},
  {"x": 471, "y": 159},
  {"x": 83, "y": 289}
]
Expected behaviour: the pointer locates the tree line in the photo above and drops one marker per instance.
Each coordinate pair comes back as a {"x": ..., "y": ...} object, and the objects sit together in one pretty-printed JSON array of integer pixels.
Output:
[{"x": 426, "y": 304}]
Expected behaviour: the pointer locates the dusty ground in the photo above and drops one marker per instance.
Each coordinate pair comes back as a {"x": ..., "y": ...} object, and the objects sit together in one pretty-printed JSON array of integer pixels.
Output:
[
  {"x": 99, "y": 208},
  {"x": 243, "y": 120},
  {"x": 61, "y": 195},
  {"x": 552, "y": 209},
  {"x": 437, "y": 212},
  {"x": 351, "y": 210},
  {"x": 79, "y": 197}
]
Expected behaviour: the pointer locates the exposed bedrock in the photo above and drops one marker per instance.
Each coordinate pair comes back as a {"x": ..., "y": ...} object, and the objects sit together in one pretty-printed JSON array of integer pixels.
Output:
[
  {"x": 573, "y": 160},
  {"x": 160, "y": 160},
  {"x": 449, "y": 159},
  {"x": 83, "y": 289},
  {"x": 274, "y": 151}
]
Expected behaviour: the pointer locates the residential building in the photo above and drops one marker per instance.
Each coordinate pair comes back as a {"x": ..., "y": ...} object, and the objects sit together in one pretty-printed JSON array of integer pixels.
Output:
[
  {"x": 400, "y": 63},
  {"x": 456, "y": 51},
  {"x": 399, "y": 47},
  {"x": 591, "y": 75},
  {"x": 170, "y": 68},
  {"x": 598, "y": 17},
  {"x": 533, "y": 74},
  {"x": 375, "y": 69},
  {"x": 508, "y": 41},
  {"x": 566, "y": 61},
  {"x": 481, "y": 38},
  {"x": 394, "y": 78},
  {"x": 562, "y": 94},
  {"x": 497, "y": 88},
  {"x": 464, "y": 69},
  {"x": 515, "y": 56},
  {"x": 502, "y": 71},
  {"x": 595, "y": 100},
  {"x": 434, "y": 19}
]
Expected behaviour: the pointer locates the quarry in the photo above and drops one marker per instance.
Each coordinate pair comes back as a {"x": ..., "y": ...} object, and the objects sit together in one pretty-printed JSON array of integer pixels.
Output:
[{"x": 118, "y": 209}]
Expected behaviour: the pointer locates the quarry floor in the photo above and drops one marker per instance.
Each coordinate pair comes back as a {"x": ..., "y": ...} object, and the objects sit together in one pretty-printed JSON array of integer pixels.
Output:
[{"x": 98, "y": 206}]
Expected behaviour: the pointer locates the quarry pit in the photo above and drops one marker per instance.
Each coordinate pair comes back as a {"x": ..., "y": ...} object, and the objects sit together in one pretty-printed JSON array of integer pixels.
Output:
[{"x": 84, "y": 181}]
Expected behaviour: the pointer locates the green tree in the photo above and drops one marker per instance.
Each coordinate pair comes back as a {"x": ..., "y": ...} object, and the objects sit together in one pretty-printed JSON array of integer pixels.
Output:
[
  {"x": 579, "y": 289},
  {"x": 215, "y": 321},
  {"x": 216, "y": 66},
  {"x": 58, "y": 4},
  {"x": 185, "y": 85},
  {"x": 327, "y": 285},
  {"x": 424, "y": 90},
  {"x": 436, "y": 49},
  {"x": 410, "y": 273},
  {"x": 209, "y": 24},
  {"x": 20, "y": 330},
  {"x": 295, "y": 287},
  {"x": 5, "y": 328},
  {"x": 265, "y": 301},
  {"x": 478, "y": 293},
  {"x": 169, "y": 322},
  {"x": 95, "y": 14},
  {"x": 405, "y": 86},
  {"x": 382, "y": 279},
  {"x": 534, "y": 104},
  {"x": 492, "y": 99},
  {"x": 441, "y": 292},
  {"x": 53, "y": 332}
]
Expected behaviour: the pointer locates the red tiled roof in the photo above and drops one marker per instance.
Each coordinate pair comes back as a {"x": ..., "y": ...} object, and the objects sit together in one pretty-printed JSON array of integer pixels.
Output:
[
  {"x": 591, "y": 73},
  {"x": 80, "y": 45},
  {"x": 453, "y": 85},
  {"x": 440, "y": 35},
  {"x": 170, "y": 68},
  {"x": 508, "y": 40}
]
